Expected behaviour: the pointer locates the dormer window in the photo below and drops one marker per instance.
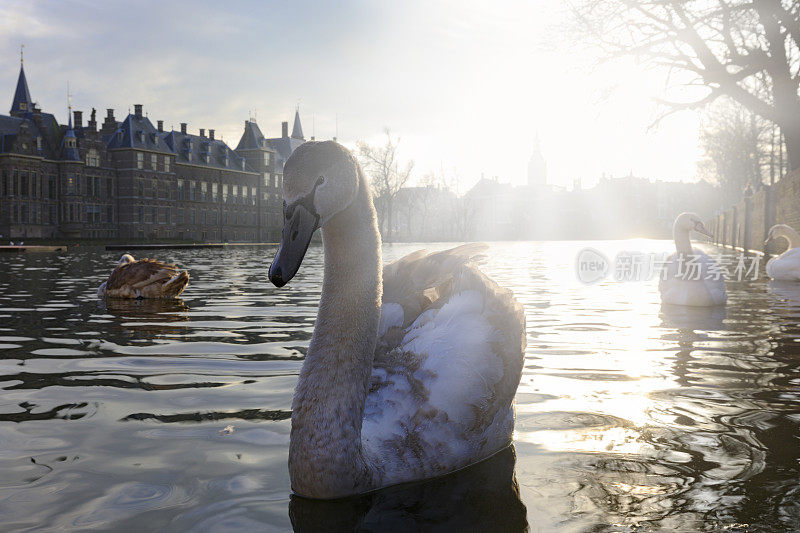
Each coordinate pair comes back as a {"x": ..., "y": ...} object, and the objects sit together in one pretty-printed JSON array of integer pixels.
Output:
[
  {"x": 141, "y": 136},
  {"x": 39, "y": 143},
  {"x": 119, "y": 135},
  {"x": 23, "y": 106},
  {"x": 242, "y": 164}
]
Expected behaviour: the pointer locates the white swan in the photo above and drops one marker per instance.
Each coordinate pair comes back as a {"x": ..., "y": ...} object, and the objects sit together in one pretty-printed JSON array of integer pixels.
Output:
[
  {"x": 691, "y": 277},
  {"x": 145, "y": 278},
  {"x": 785, "y": 267},
  {"x": 412, "y": 369}
]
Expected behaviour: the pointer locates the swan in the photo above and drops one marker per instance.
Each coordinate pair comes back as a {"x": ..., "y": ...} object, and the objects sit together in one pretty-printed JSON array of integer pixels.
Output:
[
  {"x": 412, "y": 368},
  {"x": 145, "y": 278},
  {"x": 691, "y": 277},
  {"x": 785, "y": 267}
]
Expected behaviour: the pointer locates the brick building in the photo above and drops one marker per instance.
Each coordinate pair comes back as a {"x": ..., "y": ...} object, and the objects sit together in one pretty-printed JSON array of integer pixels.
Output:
[{"x": 134, "y": 180}]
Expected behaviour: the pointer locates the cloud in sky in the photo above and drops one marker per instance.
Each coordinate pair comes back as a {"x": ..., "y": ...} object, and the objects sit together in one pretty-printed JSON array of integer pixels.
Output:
[{"x": 465, "y": 84}]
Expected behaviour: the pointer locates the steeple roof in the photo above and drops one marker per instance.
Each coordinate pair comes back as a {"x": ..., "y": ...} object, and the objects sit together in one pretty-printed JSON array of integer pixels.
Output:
[
  {"x": 22, "y": 103},
  {"x": 297, "y": 129}
]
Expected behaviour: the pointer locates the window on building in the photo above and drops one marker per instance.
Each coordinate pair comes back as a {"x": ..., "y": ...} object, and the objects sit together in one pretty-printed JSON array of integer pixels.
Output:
[
  {"x": 180, "y": 216},
  {"x": 191, "y": 216},
  {"x": 139, "y": 160},
  {"x": 203, "y": 191},
  {"x": 92, "y": 214},
  {"x": 109, "y": 214},
  {"x": 225, "y": 193},
  {"x": 166, "y": 163},
  {"x": 235, "y": 193},
  {"x": 154, "y": 214},
  {"x": 92, "y": 158},
  {"x": 141, "y": 215},
  {"x": 266, "y": 159},
  {"x": 23, "y": 184},
  {"x": 180, "y": 189},
  {"x": 140, "y": 186},
  {"x": 154, "y": 161},
  {"x": 214, "y": 193},
  {"x": 52, "y": 210},
  {"x": 168, "y": 216},
  {"x": 203, "y": 217},
  {"x": 214, "y": 217},
  {"x": 70, "y": 185},
  {"x": 155, "y": 188},
  {"x": 109, "y": 188},
  {"x": 51, "y": 187},
  {"x": 192, "y": 190}
]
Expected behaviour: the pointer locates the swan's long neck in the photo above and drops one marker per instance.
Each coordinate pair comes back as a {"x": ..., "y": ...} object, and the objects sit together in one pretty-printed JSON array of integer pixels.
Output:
[
  {"x": 325, "y": 453},
  {"x": 790, "y": 235},
  {"x": 682, "y": 242}
]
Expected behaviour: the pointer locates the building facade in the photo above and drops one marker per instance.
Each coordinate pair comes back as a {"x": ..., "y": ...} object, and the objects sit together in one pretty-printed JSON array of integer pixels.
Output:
[{"x": 133, "y": 180}]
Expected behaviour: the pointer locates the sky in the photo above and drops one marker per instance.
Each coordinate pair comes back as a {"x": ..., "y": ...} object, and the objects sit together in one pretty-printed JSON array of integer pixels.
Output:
[{"x": 467, "y": 86}]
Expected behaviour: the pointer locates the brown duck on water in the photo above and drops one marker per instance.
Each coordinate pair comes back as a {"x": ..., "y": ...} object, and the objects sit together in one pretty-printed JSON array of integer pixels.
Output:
[{"x": 145, "y": 278}]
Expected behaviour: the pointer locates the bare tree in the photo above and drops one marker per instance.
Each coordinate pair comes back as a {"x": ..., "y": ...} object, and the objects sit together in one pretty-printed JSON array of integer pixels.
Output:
[
  {"x": 386, "y": 176},
  {"x": 737, "y": 146},
  {"x": 748, "y": 50}
]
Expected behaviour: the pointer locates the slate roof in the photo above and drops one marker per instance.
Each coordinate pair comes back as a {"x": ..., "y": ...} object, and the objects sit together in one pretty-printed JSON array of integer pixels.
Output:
[
  {"x": 284, "y": 146},
  {"x": 252, "y": 138},
  {"x": 137, "y": 132},
  {"x": 193, "y": 149},
  {"x": 50, "y": 133}
]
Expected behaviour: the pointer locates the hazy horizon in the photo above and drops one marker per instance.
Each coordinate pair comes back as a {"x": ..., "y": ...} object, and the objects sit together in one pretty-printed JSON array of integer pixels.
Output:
[{"x": 466, "y": 86}]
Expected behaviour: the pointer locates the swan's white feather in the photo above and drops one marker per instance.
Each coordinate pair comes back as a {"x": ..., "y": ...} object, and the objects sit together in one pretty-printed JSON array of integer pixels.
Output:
[
  {"x": 447, "y": 365},
  {"x": 705, "y": 290},
  {"x": 785, "y": 267}
]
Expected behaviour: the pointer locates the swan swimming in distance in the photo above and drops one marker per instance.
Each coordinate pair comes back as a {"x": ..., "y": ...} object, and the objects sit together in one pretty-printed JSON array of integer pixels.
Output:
[
  {"x": 785, "y": 267},
  {"x": 691, "y": 277},
  {"x": 412, "y": 368},
  {"x": 145, "y": 278}
]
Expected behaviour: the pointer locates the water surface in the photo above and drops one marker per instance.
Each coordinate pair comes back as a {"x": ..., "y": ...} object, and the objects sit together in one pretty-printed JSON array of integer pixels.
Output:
[{"x": 630, "y": 417}]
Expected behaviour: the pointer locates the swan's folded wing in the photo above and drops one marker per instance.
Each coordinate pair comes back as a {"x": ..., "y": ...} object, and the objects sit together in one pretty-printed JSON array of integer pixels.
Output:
[
  {"x": 412, "y": 283},
  {"x": 444, "y": 379}
]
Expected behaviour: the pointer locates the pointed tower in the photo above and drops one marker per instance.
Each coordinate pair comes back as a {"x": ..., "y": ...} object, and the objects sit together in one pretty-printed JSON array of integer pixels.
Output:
[
  {"x": 69, "y": 145},
  {"x": 22, "y": 103},
  {"x": 537, "y": 167},
  {"x": 297, "y": 129}
]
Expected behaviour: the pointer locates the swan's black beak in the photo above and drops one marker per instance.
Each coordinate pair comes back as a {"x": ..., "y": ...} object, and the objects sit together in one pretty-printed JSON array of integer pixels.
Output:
[{"x": 298, "y": 228}]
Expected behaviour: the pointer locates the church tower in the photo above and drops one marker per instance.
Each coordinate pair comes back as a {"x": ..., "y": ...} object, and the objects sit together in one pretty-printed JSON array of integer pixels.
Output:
[{"x": 537, "y": 167}]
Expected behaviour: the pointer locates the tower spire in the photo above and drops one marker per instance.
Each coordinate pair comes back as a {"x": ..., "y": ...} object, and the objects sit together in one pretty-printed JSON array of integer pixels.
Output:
[
  {"x": 22, "y": 102},
  {"x": 69, "y": 107},
  {"x": 21, "y": 55},
  {"x": 297, "y": 129}
]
